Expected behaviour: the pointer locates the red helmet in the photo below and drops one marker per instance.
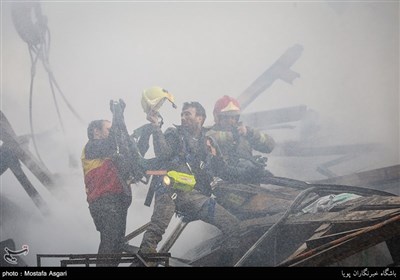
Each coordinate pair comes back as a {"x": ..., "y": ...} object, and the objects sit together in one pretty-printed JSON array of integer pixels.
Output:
[{"x": 226, "y": 105}]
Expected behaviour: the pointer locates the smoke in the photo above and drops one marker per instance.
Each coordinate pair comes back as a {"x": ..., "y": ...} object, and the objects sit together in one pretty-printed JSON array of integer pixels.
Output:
[{"x": 198, "y": 51}]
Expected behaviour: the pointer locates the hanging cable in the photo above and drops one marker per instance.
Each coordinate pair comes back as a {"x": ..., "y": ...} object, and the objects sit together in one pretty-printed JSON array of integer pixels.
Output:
[
  {"x": 37, "y": 36},
  {"x": 33, "y": 73}
]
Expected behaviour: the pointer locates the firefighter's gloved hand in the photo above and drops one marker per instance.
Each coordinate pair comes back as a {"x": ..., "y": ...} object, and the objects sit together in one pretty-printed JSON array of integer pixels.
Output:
[
  {"x": 122, "y": 104},
  {"x": 241, "y": 129},
  {"x": 261, "y": 160},
  {"x": 112, "y": 105},
  {"x": 117, "y": 107},
  {"x": 212, "y": 146}
]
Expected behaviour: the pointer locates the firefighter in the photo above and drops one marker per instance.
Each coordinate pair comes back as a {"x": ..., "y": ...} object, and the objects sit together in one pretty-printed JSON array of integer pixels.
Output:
[
  {"x": 107, "y": 195},
  {"x": 233, "y": 144},
  {"x": 182, "y": 149}
]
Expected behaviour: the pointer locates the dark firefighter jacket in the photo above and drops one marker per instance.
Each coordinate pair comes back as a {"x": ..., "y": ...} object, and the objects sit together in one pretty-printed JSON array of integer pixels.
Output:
[
  {"x": 180, "y": 151},
  {"x": 101, "y": 175},
  {"x": 236, "y": 162}
]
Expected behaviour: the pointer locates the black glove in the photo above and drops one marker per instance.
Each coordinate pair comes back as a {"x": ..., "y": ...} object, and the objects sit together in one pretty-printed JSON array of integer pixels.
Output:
[
  {"x": 122, "y": 104},
  {"x": 117, "y": 106},
  {"x": 112, "y": 105}
]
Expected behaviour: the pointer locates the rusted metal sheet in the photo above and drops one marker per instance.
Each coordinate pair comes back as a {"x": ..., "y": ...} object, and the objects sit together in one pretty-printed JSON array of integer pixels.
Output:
[
  {"x": 357, "y": 210},
  {"x": 338, "y": 217},
  {"x": 347, "y": 245}
]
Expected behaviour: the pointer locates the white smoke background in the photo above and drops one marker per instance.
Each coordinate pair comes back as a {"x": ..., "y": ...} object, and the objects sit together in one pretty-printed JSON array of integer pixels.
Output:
[{"x": 198, "y": 51}]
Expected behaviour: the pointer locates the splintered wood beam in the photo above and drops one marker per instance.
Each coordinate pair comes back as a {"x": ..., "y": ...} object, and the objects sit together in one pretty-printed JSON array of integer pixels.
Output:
[
  {"x": 10, "y": 139},
  {"x": 29, "y": 188},
  {"x": 279, "y": 70}
]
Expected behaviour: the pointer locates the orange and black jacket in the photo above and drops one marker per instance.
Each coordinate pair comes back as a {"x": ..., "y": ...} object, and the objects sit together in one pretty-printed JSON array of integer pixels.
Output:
[{"x": 101, "y": 174}]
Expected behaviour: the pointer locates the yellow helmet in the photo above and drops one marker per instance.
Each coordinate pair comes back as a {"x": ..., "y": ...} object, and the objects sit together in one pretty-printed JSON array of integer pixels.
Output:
[{"x": 153, "y": 98}]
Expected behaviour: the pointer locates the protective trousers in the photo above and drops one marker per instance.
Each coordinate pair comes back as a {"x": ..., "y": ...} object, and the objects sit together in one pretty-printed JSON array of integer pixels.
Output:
[
  {"x": 193, "y": 206},
  {"x": 109, "y": 216}
]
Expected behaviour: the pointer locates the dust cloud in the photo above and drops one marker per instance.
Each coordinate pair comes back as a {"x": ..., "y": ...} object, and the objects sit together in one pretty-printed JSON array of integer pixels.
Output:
[{"x": 198, "y": 51}]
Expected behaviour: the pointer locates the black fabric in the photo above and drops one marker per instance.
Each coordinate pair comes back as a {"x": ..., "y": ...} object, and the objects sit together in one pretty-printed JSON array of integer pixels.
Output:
[
  {"x": 109, "y": 215},
  {"x": 189, "y": 155},
  {"x": 100, "y": 148}
]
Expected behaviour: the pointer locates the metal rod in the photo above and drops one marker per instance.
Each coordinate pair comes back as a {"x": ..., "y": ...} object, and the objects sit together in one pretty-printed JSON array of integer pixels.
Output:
[
  {"x": 173, "y": 237},
  {"x": 136, "y": 232}
]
